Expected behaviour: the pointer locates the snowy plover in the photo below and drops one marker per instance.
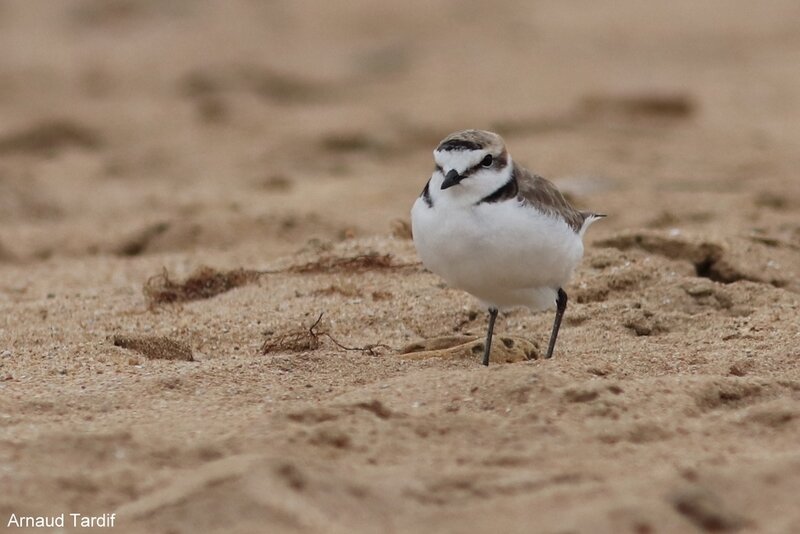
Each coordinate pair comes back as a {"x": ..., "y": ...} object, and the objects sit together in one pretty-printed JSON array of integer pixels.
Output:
[{"x": 490, "y": 227}]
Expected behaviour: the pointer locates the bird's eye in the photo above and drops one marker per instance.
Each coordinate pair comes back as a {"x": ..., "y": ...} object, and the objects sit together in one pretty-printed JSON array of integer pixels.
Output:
[{"x": 487, "y": 161}]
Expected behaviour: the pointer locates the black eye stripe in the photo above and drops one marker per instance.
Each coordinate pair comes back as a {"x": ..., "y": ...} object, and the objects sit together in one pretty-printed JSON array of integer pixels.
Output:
[{"x": 498, "y": 162}]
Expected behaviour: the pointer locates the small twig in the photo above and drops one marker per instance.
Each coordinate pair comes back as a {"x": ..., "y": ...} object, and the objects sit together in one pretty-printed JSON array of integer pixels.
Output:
[
  {"x": 295, "y": 341},
  {"x": 313, "y": 326},
  {"x": 369, "y": 348}
]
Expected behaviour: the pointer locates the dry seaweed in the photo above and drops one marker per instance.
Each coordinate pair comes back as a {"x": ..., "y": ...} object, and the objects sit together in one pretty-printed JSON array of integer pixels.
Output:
[
  {"x": 207, "y": 282},
  {"x": 345, "y": 290},
  {"x": 371, "y": 261},
  {"x": 360, "y": 263},
  {"x": 204, "y": 283},
  {"x": 48, "y": 137},
  {"x": 264, "y": 83},
  {"x": 155, "y": 347},
  {"x": 669, "y": 105},
  {"x": 594, "y": 108},
  {"x": 350, "y": 142}
]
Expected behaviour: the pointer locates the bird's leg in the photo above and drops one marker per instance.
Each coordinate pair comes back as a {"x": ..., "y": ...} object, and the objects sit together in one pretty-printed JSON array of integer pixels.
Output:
[
  {"x": 488, "y": 344},
  {"x": 561, "y": 305}
]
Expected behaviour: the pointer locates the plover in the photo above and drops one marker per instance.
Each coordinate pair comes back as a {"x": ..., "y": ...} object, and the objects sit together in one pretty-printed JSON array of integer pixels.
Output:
[{"x": 492, "y": 228}]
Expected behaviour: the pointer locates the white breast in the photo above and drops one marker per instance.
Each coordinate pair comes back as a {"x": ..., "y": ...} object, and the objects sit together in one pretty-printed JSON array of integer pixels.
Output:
[{"x": 506, "y": 254}]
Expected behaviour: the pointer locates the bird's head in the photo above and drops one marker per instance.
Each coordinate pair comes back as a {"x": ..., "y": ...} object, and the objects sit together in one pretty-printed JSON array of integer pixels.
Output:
[{"x": 470, "y": 165}]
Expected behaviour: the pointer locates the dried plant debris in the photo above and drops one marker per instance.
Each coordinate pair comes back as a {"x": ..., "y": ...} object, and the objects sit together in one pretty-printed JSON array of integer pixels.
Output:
[
  {"x": 360, "y": 263},
  {"x": 155, "y": 347},
  {"x": 351, "y": 142},
  {"x": 597, "y": 109},
  {"x": 275, "y": 182},
  {"x": 48, "y": 137},
  {"x": 207, "y": 282},
  {"x": 260, "y": 81},
  {"x": 345, "y": 290},
  {"x": 669, "y": 105},
  {"x": 204, "y": 283},
  {"x": 301, "y": 340},
  {"x": 309, "y": 339},
  {"x": 370, "y": 261}
]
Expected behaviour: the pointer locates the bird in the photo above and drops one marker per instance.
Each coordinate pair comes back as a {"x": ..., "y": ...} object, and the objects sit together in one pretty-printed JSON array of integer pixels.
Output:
[{"x": 503, "y": 234}]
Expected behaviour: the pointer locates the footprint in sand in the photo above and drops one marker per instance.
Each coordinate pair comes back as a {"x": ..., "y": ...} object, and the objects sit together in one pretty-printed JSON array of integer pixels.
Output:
[{"x": 506, "y": 349}]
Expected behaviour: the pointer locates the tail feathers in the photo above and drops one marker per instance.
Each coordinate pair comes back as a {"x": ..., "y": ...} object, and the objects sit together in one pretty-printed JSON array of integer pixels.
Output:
[{"x": 588, "y": 219}]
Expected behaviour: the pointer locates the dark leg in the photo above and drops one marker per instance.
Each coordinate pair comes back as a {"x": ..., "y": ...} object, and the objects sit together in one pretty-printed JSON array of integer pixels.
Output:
[
  {"x": 561, "y": 305},
  {"x": 488, "y": 344}
]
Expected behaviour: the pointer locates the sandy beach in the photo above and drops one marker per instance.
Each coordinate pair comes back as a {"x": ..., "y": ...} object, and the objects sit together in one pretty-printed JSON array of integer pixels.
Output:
[{"x": 213, "y": 318}]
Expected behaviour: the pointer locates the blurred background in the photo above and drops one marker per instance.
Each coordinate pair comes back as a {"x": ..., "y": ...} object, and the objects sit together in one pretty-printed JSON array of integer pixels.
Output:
[{"x": 139, "y": 126}]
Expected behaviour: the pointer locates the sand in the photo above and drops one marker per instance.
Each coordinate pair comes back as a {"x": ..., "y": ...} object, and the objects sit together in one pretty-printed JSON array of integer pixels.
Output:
[{"x": 273, "y": 151}]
